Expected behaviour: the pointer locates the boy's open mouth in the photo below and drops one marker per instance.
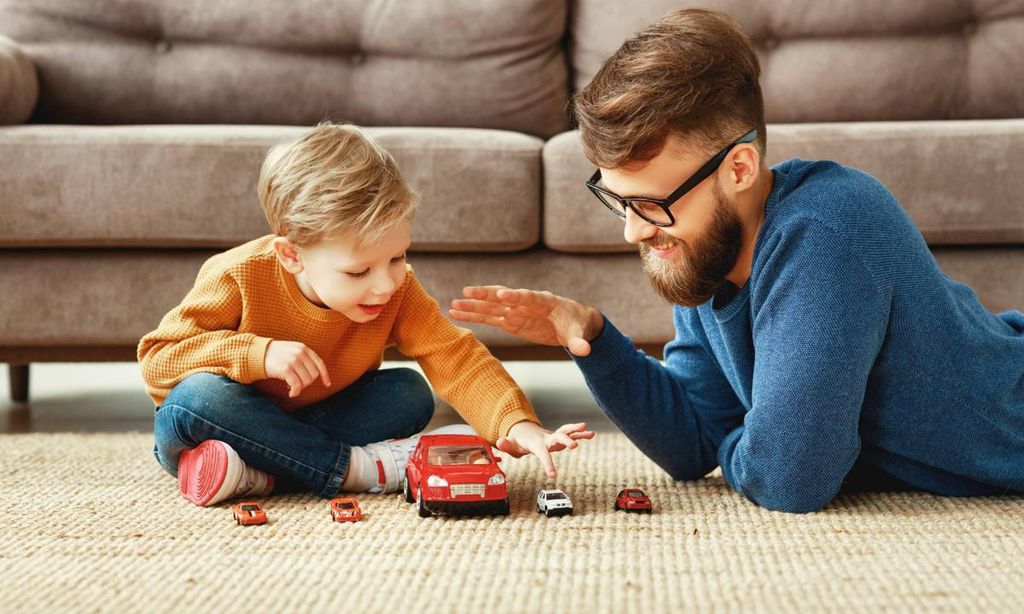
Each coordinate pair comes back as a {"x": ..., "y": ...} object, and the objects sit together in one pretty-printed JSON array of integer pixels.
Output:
[{"x": 372, "y": 309}]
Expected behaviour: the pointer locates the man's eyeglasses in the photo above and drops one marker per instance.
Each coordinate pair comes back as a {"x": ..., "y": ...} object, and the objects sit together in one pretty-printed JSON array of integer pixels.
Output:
[{"x": 656, "y": 210}]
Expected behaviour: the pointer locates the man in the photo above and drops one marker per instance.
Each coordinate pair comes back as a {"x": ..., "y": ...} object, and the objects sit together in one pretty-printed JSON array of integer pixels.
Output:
[{"x": 817, "y": 342}]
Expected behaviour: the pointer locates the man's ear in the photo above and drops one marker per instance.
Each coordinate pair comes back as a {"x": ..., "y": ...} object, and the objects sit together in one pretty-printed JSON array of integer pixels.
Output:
[
  {"x": 288, "y": 255},
  {"x": 743, "y": 164}
]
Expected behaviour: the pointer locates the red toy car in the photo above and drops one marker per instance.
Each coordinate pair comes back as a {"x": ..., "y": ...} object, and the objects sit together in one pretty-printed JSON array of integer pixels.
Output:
[
  {"x": 345, "y": 509},
  {"x": 455, "y": 474},
  {"x": 249, "y": 512},
  {"x": 633, "y": 500}
]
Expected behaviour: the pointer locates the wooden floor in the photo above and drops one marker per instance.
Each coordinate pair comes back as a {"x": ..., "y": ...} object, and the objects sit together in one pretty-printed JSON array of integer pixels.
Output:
[{"x": 110, "y": 398}]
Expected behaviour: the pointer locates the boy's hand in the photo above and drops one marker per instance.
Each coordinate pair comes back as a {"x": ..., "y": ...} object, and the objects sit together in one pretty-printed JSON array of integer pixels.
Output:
[
  {"x": 528, "y": 438},
  {"x": 296, "y": 364},
  {"x": 538, "y": 317}
]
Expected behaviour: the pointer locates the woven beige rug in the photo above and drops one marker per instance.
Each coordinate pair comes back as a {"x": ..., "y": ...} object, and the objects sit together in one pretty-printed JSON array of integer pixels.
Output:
[{"x": 90, "y": 523}]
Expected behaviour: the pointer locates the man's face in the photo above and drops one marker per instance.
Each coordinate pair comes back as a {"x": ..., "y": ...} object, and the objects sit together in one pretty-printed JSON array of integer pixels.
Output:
[
  {"x": 687, "y": 262},
  {"x": 356, "y": 280}
]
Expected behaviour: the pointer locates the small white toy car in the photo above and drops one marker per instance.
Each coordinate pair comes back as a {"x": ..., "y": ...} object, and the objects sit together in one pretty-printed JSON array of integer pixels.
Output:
[{"x": 553, "y": 503}]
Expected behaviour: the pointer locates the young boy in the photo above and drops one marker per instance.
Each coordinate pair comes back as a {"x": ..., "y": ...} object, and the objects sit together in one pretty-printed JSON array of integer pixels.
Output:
[{"x": 267, "y": 375}]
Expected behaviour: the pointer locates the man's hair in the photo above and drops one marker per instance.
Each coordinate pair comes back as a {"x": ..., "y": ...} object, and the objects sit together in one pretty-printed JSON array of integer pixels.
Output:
[
  {"x": 333, "y": 181},
  {"x": 693, "y": 73}
]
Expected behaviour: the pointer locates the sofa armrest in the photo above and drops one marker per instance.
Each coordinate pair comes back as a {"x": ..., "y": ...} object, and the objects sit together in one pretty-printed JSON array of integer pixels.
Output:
[{"x": 19, "y": 85}]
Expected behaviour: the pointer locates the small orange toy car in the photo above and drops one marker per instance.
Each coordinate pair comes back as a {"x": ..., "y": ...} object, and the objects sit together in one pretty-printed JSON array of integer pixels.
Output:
[
  {"x": 345, "y": 509},
  {"x": 249, "y": 512}
]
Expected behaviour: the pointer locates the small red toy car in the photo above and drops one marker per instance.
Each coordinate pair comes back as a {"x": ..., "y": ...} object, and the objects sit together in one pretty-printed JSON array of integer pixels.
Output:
[
  {"x": 455, "y": 474},
  {"x": 632, "y": 500},
  {"x": 249, "y": 512},
  {"x": 345, "y": 509}
]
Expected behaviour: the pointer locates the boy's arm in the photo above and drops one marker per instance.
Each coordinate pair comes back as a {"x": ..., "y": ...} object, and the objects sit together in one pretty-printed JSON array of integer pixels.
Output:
[
  {"x": 678, "y": 412},
  {"x": 459, "y": 366},
  {"x": 200, "y": 335},
  {"x": 819, "y": 324}
]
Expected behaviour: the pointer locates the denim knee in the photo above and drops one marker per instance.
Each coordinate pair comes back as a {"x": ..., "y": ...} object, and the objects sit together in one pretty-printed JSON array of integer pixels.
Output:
[
  {"x": 415, "y": 396},
  {"x": 203, "y": 394},
  {"x": 203, "y": 390}
]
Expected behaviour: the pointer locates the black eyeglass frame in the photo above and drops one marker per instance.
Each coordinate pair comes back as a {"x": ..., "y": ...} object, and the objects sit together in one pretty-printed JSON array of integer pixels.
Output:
[{"x": 664, "y": 203}]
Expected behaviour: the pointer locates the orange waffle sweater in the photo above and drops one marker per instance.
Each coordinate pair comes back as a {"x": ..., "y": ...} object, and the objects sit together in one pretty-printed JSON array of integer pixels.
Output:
[{"x": 243, "y": 299}]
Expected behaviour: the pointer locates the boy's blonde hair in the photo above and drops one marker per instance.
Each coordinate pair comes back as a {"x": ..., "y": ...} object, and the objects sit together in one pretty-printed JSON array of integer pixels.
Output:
[{"x": 333, "y": 181}]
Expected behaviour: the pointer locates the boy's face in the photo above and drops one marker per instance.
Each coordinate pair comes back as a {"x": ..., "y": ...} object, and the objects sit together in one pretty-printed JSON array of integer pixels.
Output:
[{"x": 356, "y": 281}]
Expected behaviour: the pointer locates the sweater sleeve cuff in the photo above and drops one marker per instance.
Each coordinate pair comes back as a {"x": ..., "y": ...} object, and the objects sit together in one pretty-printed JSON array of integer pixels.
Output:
[
  {"x": 512, "y": 418},
  {"x": 725, "y": 452},
  {"x": 255, "y": 363},
  {"x": 608, "y": 350}
]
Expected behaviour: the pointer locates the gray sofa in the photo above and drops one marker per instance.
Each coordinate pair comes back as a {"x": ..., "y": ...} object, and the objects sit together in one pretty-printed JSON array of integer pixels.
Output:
[{"x": 132, "y": 134}]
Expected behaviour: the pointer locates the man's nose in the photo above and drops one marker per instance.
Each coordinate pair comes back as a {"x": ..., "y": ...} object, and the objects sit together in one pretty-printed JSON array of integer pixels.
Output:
[{"x": 637, "y": 229}]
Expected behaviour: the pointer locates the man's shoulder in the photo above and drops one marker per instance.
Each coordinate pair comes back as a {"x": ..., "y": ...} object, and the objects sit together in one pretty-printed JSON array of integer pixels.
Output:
[
  {"x": 824, "y": 194},
  {"x": 827, "y": 187}
]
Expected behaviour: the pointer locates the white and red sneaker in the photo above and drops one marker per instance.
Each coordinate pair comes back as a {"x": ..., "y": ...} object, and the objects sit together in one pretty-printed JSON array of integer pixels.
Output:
[
  {"x": 213, "y": 472},
  {"x": 391, "y": 456}
]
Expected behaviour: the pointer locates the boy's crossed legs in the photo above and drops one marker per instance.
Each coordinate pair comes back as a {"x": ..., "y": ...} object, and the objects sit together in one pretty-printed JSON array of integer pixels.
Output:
[{"x": 315, "y": 448}]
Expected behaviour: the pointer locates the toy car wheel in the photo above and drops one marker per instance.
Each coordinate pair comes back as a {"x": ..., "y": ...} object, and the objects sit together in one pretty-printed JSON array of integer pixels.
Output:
[
  {"x": 547, "y": 513},
  {"x": 616, "y": 506},
  {"x": 504, "y": 509},
  {"x": 406, "y": 491},
  {"x": 539, "y": 510},
  {"x": 424, "y": 512}
]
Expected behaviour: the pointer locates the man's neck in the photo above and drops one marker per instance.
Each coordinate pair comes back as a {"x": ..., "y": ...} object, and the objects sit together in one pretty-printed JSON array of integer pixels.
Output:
[{"x": 751, "y": 208}]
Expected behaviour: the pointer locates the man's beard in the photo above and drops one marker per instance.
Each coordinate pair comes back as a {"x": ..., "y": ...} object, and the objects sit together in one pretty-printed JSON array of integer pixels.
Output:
[{"x": 694, "y": 273}]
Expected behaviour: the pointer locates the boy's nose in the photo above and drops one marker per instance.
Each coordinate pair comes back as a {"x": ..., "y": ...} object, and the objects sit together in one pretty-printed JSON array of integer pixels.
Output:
[
  {"x": 636, "y": 229},
  {"x": 383, "y": 285}
]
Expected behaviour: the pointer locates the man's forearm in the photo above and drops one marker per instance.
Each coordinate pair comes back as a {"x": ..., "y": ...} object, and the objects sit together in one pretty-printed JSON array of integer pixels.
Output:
[{"x": 646, "y": 401}]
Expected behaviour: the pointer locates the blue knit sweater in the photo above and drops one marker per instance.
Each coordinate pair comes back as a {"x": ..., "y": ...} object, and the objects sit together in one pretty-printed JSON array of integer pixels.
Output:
[{"x": 848, "y": 357}]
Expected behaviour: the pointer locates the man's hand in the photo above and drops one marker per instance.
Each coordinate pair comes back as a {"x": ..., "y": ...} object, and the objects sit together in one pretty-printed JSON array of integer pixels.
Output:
[
  {"x": 529, "y": 438},
  {"x": 296, "y": 364},
  {"x": 538, "y": 317}
]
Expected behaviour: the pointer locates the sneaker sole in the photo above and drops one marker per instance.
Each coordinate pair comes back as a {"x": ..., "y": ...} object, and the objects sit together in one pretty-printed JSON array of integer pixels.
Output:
[{"x": 203, "y": 471}]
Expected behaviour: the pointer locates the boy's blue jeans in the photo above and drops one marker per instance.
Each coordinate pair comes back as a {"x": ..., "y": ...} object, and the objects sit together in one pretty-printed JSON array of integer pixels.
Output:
[{"x": 307, "y": 449}]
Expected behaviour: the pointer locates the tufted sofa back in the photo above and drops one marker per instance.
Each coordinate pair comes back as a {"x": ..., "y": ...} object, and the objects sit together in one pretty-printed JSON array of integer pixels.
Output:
[
  {"x": 471, "y": 63},
  {"x": 850, "y": 60},
  {"x": 495, "y": 63}
]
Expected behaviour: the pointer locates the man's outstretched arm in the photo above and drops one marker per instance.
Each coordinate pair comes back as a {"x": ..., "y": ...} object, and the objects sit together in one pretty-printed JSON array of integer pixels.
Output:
[{"x": 676, "y": 413}]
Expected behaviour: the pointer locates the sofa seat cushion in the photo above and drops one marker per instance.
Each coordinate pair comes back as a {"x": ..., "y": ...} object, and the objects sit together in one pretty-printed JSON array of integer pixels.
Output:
[
  {"x": 117, "y": 301},
  {"x": 480, "y": 64},
  {"x": 195, "y": 186},
  {"x": 956, "y": 179}
]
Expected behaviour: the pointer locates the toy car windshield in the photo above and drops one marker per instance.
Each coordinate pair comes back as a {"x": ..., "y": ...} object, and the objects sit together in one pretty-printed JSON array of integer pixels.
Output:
[
  {"x": 635, "y": 493},
  {"x": 555, "y": 495},
  {"x": 250, "y": 508},
  {"x": 346, "y": 505},
  {"x": 458, "y": 455}
]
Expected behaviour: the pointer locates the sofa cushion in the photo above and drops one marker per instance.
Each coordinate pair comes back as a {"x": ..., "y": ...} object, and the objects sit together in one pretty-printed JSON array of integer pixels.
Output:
[
  {"x": 956, "y": 179},
  {"x": 195, "y": 186},
  {"x": 485, "y": 63},
  {"x": 859, "y": 60},
  {"x": 120, "y": 295},
  {"x": 19, "y": 87}
]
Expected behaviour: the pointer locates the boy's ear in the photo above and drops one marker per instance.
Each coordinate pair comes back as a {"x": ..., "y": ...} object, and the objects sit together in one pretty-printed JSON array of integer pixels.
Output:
[{"x": 287, "y": 255}]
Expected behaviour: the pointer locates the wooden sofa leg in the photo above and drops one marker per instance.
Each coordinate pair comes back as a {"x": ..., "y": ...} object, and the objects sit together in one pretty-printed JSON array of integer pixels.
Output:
[{"x": 18, "y": 379}]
